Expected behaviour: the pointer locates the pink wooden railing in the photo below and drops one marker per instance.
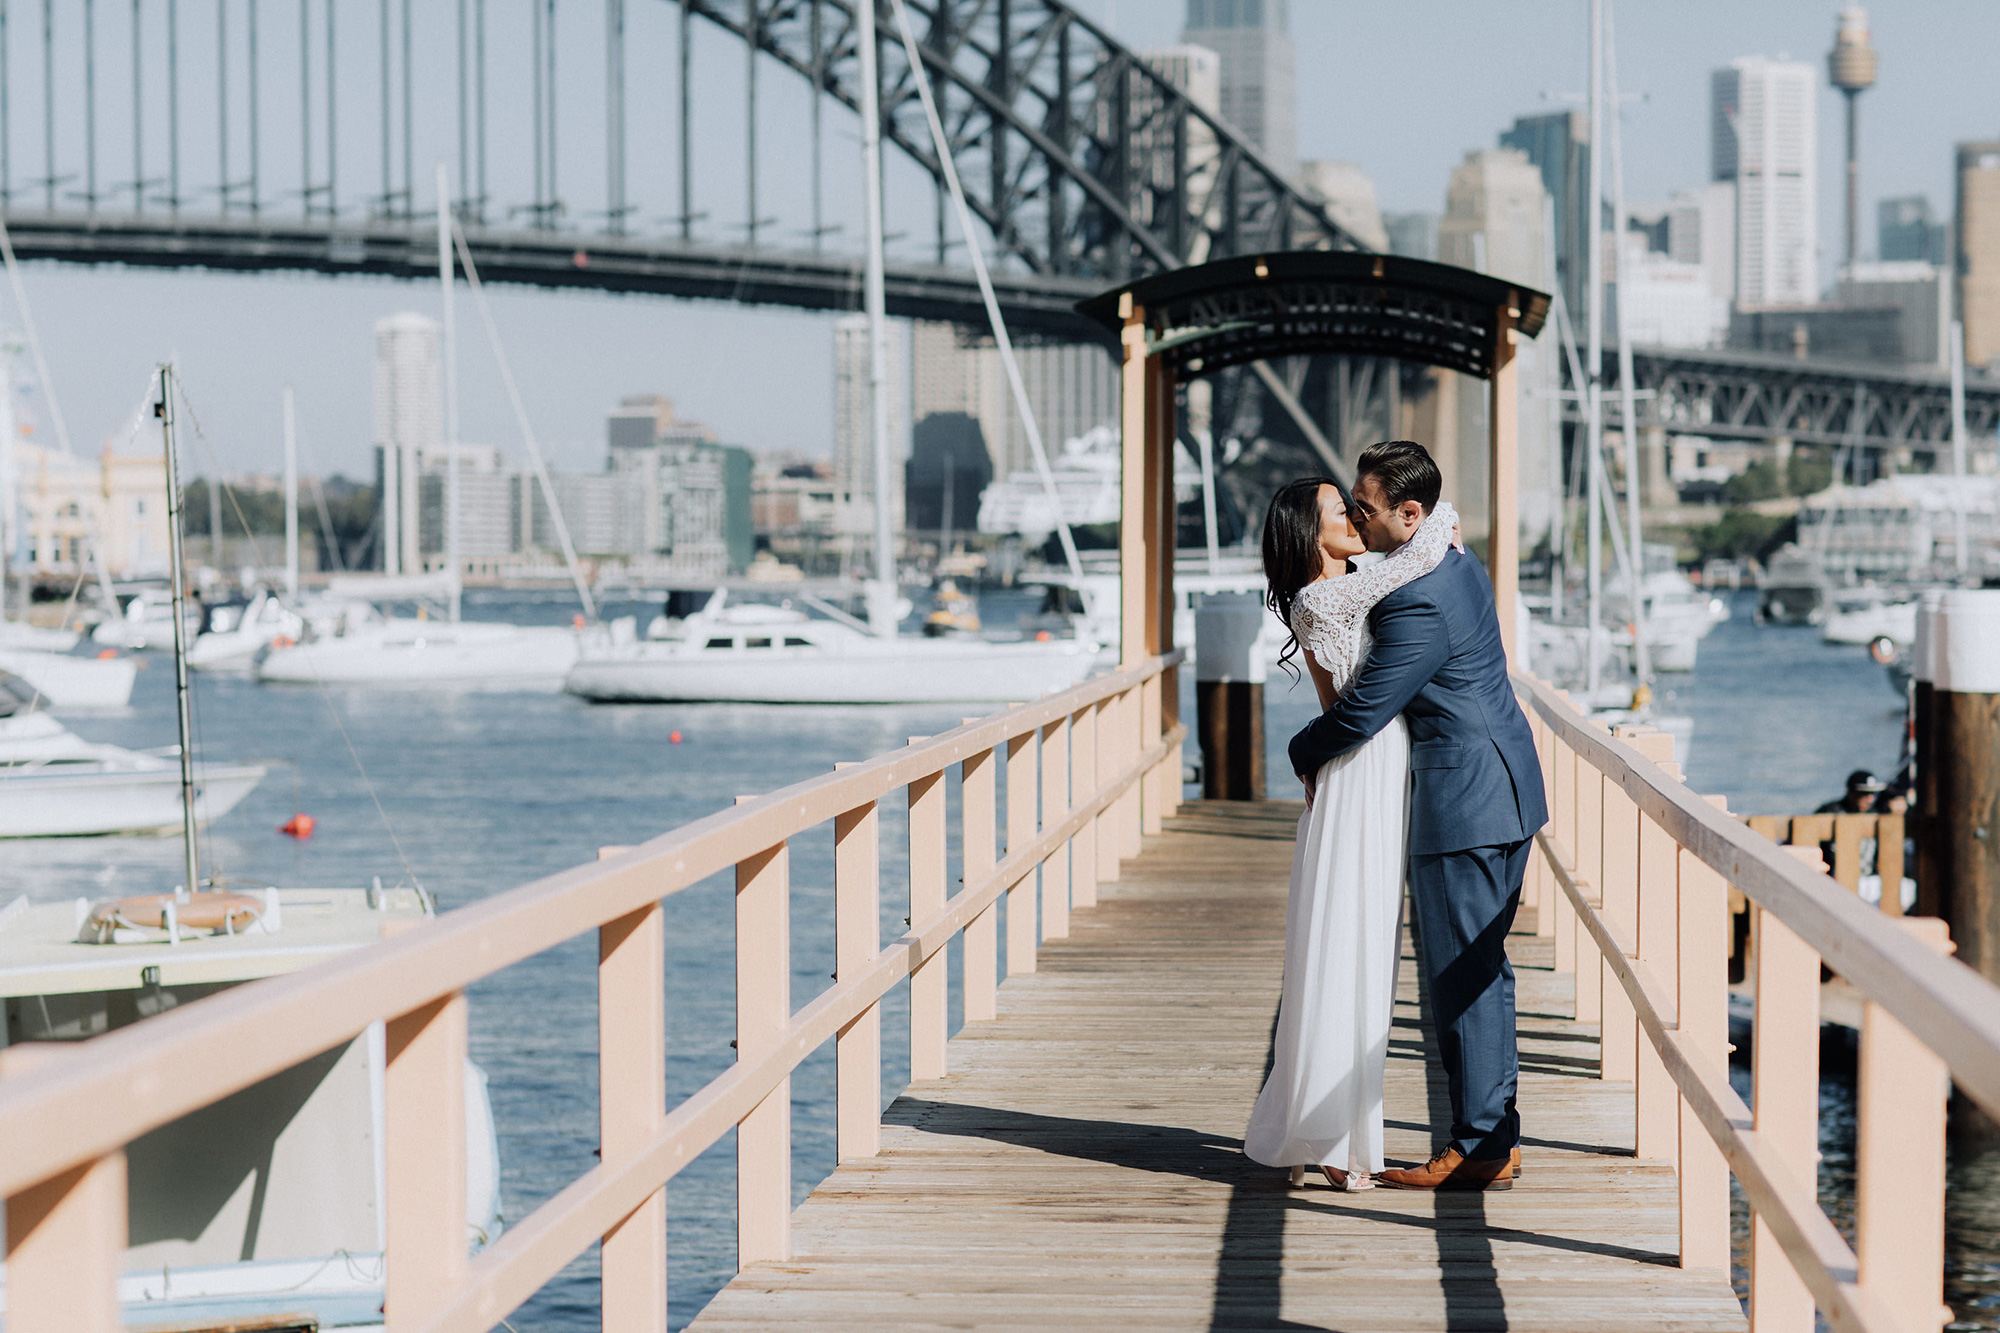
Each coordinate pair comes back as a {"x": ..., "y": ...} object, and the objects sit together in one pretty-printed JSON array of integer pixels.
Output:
[
  {"x": 1633, "y": 883},
  {"x": 1087, "y": 771}
]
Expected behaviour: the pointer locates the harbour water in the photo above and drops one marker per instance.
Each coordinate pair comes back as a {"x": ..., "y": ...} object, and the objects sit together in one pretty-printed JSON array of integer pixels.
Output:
[{"x": 475, "y": 793}]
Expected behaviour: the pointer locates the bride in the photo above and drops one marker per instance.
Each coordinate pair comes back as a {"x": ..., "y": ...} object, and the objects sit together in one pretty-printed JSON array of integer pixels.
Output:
[{"x": 1321, "y": 1105}]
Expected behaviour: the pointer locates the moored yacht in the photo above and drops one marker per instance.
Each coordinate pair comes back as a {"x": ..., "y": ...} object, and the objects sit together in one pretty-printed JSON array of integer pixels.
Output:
[
  {"x": 65, "y": 680},
  {"x": 752, "y": 653},
  {"x": 271, "y": 1202},
  {"x": 54, "y": 783}
]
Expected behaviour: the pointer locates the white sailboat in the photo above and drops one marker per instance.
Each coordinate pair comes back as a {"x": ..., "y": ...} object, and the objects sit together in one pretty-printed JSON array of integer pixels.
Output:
[
  {"x": 442, "y": 651},
  {"x": 67, "y": 681}
]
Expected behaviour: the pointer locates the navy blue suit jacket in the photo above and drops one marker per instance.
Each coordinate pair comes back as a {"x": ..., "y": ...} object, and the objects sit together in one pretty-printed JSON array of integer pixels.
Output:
[{"x": 1438, "y": 661}]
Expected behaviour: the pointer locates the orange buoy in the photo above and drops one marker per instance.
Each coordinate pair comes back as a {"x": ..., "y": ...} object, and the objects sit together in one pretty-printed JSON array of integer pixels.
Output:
[
  {"x": 299, "y": 826},
  {"x": 107, "y": 654},
  {"x": 282, "y": 641},
  {"x": 674, "y": 736},
  {"x": 1043, "y": 636},
  {"x": 576, "y": 621}
]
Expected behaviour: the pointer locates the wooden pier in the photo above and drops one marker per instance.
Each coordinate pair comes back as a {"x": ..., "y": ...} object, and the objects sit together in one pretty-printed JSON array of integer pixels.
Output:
[{"x": 1081, "y": 1164}]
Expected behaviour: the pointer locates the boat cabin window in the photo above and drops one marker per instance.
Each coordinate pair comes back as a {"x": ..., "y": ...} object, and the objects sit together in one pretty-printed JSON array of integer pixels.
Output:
[
  {"x": 757, "y": 643},
  {"x": 722, "y": 643},
  {"x": 798, "y": 643}
]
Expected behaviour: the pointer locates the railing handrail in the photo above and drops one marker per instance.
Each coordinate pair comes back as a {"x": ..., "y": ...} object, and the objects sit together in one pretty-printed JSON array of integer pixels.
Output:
[
  {"x": 103, "y": 1094},
  {"x": 1948, "y": 1006}
]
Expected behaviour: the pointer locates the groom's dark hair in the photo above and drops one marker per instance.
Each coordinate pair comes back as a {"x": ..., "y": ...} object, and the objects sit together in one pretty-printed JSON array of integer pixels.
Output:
[{"x": 1404, "y": 470}]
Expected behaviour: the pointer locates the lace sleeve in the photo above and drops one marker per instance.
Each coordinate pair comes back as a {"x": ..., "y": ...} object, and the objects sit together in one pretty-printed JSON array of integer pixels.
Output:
[{"x": 1328, "y": 615}]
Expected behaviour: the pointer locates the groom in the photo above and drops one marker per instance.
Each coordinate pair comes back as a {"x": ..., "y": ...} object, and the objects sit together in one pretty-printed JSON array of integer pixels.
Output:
[{"x": 1476, "y": 803}]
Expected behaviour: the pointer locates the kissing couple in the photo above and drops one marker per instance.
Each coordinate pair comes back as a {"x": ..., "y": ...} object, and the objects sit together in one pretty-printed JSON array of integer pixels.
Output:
[{"x": 1420, "y": 769}]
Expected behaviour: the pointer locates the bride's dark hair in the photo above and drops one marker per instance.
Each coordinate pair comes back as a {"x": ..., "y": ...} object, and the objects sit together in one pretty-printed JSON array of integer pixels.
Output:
[{"x": 1292, "y": 556}]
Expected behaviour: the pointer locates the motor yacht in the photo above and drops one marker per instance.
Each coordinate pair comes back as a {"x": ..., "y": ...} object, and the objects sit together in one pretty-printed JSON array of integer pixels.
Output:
[
  {"x": 756, "y": 653},
  {"x": 235, "y": 632},
  {"x": 53, "y": 783}
]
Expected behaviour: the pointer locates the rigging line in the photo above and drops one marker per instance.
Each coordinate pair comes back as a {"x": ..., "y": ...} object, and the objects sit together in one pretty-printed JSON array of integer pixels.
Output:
[
  {"x": 521, "y": 419},
  {"x": 976, "y": 253},
  {"x": 340, "y": 725}
]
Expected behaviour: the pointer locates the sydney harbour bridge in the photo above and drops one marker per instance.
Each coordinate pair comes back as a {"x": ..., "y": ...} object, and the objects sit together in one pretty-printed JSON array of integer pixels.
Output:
[{"x": 586, "y": 143}]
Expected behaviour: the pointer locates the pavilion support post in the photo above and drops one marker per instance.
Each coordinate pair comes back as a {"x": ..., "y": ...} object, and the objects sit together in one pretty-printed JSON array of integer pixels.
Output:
[
  {"x": 1135, "y": 578},
  {"x": 1503, "y": 537}
]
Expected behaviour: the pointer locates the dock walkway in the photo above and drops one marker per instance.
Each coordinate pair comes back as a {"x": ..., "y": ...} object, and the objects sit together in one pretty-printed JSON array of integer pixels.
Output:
[{"x": 1081, "y": 1164}]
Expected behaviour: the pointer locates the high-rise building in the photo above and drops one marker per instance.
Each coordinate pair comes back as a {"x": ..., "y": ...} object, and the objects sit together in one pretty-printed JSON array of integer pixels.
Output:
[
  {"x": 1495, "y": 221},
  {"x": 1906, "y": 231},
  {"x": 1196, "y": 72},
  {"x": 1921, "y": 291},
  {"x": 1558, "y": 144},
  {"x": 1701, "y": 229},
  {"x": 1412, "y": 234},
  {"x": 853, "y": 430},
  {"x": 677, "y": 501},
  {"x": 1350, "y": 196},
  {"x": 1071, "y": 387},
  {"x": 1254, "y": 40},
  {"x": 409, "y": 418},
  {"x": 1764, "y": 138},
  {"x": 1978, "y": 250}
]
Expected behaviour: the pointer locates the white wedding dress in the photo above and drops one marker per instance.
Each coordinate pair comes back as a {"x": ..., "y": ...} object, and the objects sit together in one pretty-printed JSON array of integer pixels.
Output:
[{"x": 1322, "y": 1102}]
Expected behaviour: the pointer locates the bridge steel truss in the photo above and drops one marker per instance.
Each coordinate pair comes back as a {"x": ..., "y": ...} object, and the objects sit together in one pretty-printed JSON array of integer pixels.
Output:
[
  {"x": 1753, "y": 396},
  {"x": 1086, "y": 163}
]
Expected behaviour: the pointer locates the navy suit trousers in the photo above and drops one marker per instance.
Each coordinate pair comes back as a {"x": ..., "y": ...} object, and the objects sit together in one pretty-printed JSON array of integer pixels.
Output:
[{"x": 1463, "y": 904}]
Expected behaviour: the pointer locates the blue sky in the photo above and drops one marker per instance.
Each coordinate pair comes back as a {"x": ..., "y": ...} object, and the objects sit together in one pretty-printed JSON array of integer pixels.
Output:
[{"x": 1404, "y": 89}]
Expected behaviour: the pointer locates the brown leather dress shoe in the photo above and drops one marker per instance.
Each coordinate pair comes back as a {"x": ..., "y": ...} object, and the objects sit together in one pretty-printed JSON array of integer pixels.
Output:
[{"x": 1449, "y": 1170}]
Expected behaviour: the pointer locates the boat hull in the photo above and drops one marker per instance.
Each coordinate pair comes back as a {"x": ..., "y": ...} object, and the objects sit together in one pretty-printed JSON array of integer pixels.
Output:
[
  {"x": 494, "y": 657},
  {"x": 935, "y": 671},
  {"x": 41, "y": 803},
  {"x": 74, "y": 682}
]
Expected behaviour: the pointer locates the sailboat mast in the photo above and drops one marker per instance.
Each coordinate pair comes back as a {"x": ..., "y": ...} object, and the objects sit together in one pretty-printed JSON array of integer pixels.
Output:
[
  {"x": 164, "y": 410},
  {"x": 882, "y": 597},
  {"x": 446, "y": 281},
  {"x": 1628, "y": 414},
  {"x": 291, "y": 501},
  {"x": 1593, "y": 367}
]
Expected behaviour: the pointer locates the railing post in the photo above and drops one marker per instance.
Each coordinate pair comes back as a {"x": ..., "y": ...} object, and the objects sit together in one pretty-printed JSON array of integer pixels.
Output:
[
  {"x": 1173, "y": 765},
  {"x": 929, "y": 871},
  {"x": 1022, "y": 923},
  {"x": 1657, "y": 1132},
  {"x": 1785, "y": 1097},
  {"x": 982, "y": 939},
  {"x": 1153, "y": 796},
  {"x": 1899, "y": 1144},
  {"x": 1545, "y": 883},
  {"x": 1562, "y": 779},
  {"x": 763, "y": 1012},
  {"x": 65, "y": 1238},
  {"x": 1110, "y": 748},
  {"x": 424, "y": 1152},
  {"x": 1130, "y": 823},
  {"x": 857, "y": 938},
  {"x": 1589, "y": 851},
  {"x": 1617, "y": 882},
  {"x": 1083, "y": 753},
  {"x": 1702, "y": 989},
  {"x": 1055, "y": 809},
  {"x": 631, "y": 1104}
]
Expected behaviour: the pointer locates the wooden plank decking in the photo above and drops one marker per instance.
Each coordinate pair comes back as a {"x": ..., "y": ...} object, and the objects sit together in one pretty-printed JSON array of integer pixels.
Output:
[{"x": 1081, "y": 1165}]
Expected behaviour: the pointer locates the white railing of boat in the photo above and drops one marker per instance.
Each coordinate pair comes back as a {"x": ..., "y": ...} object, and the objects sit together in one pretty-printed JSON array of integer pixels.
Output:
[{"x": 1086, "y": 771}]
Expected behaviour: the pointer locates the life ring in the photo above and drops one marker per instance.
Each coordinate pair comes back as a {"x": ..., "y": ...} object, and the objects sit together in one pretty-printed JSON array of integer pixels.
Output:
[
  {"x": 283, "y": 641},
  {"x": 205, "y": 913}
]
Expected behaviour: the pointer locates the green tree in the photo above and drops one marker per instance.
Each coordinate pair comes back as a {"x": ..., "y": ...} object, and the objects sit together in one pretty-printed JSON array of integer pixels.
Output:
[
  {"x": 1759, "y": 481},
  {"x": 1808, "y": 472}
]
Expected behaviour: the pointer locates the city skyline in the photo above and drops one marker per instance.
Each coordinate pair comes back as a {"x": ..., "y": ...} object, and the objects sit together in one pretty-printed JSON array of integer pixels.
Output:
[{"x": 1375, "y": 88}]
